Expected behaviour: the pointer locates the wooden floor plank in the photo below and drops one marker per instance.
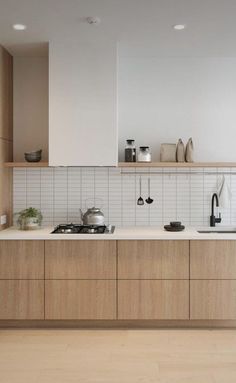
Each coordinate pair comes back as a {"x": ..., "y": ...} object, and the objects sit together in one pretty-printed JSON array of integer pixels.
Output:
[{"x": 117, "y": 356}]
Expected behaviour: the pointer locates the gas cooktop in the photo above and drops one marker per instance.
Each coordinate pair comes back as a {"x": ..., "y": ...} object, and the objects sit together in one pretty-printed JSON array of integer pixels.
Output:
[{"x": 83, "y": 229}]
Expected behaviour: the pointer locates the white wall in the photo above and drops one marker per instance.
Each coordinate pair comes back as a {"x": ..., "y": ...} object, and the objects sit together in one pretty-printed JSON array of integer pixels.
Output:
[
  {"x": 30, "y": 105},
  {"x": 162, "y": 99},
  {"x": 82, "y": 103}
]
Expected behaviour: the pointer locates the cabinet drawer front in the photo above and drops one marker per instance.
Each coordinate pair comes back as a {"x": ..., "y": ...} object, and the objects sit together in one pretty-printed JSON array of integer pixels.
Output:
[
  {"x": 80, "y": 259},
  {"x": 153, "y": 259},
  {"x": 213, "y": 299},
  {"x": 75, "y": 299},
  {"x": 213, "y": 259},
  {"x": 21, "y": 299},
  {"x": 21, "y": 259},
  {"x": 153, "y": 299}
]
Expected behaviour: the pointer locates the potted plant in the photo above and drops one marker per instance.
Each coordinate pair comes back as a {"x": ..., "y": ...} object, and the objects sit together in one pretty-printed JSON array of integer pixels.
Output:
[{"x": 29, "y": 219}]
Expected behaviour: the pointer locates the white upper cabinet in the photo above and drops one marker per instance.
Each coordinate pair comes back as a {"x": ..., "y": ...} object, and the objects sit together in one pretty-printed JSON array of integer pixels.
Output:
[{"x": 82, "y": 104}]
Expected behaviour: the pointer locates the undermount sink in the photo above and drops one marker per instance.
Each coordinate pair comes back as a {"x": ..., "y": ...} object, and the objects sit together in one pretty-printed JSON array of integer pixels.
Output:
[{"x": 218, "y": 231}]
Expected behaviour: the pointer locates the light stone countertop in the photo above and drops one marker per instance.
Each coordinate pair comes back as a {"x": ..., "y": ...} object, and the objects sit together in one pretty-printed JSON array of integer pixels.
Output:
[{"x": 132, "y": 233}]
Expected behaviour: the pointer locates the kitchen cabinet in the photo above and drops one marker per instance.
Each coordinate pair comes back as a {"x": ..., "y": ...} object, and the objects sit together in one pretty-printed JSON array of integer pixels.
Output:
[
  {"x": 21, "y": 299},
  {"x": 153, "y": 259},
  {"x": 124, "y": 280},
  {"x": 6, "y": 134},
  {"x": 153, "y": 279},
  {"x": 21, "y": 279},
  {"x": 6, "y": 95},
  {"x": 80, "y": 259},
  {"x": 21, "y": 260},
  {"x": 213, "y": 280},
  {"x": 153, "y": 299},
  {"x": 82, "y": 103},
  {"x": 213, "y": 259},
  {"x": 213, "y": 299},
  {"x": 80, "y": 299},
  {"x": 80, "y": 279},
  {"x": 6, "y": 181}
]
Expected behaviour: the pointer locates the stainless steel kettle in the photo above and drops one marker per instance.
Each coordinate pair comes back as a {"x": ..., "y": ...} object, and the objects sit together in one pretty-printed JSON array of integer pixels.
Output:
[{"x": 93, "y": 216}]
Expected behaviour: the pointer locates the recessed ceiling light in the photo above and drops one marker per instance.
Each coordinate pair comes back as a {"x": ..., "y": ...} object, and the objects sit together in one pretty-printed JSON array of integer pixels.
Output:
[
  {"x": 179, "y": 27},
  {"x": 19, "y": 27}
]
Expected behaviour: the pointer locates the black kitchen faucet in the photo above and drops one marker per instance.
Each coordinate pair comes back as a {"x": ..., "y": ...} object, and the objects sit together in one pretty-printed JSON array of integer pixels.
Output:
[{"x": 213, "y": 219}]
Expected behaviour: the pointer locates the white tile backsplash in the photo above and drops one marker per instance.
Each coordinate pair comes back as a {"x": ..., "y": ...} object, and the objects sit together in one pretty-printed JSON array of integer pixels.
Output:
[{"x": 61, "y": 192}]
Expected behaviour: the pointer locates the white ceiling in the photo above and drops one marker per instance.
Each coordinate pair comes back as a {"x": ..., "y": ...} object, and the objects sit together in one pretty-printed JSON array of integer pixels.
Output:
[{"x": 142, "y": 27}]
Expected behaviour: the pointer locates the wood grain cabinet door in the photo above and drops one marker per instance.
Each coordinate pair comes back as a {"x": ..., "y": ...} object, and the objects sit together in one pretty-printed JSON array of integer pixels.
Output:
[
  {"x": 158, "y": 299},
  {"x": 21, "y": 299},
  {"x": 6, "y": 95},
  {"x": 213, "y": 299},
  {"x": 150, "y": 259},
  {"x": 76, "y": 299},
  {"x": 21, "y": 259},
  {"x": 212, "y": 259},
  {"x": 80, "y": 259}
]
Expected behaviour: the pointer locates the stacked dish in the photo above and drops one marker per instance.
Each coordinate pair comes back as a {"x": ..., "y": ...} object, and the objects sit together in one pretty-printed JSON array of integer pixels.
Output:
[
  {"x": 174, "y": 226},
  {"x": 33, "y": 156}
]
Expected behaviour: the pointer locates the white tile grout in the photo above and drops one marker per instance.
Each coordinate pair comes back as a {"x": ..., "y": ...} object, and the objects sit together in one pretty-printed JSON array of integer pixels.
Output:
[{"x": 60, "y": 193}]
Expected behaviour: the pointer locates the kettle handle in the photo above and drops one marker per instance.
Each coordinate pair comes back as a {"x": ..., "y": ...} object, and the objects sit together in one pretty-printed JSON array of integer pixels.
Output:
[
  {"x": 89, "y": 202},
  {"x": 81, "y": 215}
]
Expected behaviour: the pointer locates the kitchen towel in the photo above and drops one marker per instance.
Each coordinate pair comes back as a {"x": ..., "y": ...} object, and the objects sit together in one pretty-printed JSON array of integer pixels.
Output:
[{"x": 224, "y": 193}]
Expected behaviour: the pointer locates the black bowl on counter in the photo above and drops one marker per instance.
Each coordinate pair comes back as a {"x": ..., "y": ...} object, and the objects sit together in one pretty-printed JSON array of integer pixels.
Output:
[{"x": 174, "y": 226}]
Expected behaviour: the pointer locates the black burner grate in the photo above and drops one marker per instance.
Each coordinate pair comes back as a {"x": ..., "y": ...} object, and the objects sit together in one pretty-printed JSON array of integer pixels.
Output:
[{"x": 79, "y": 229}]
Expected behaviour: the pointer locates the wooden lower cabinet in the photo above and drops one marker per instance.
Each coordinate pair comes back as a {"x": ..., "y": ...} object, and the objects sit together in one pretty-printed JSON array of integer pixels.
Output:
[
  {"x": 80, "y": 259},
  {"x": 213, "y": 299},
  {"x": 80, "y": 299},
  {"x": 21, "y": 259},
  {"x": 152, "y": 259},
  {"x": 21, "y": 299},
  {"x": 213, "y": 259},
  {"x": 143, "y": 280},
  {"x": 153, "y": 299}
]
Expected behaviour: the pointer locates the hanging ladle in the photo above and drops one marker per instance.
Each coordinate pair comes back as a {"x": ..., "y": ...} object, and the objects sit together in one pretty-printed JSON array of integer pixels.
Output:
[
  {"x": 140, "y": 200},
  {"x": 149, "y": 200}
]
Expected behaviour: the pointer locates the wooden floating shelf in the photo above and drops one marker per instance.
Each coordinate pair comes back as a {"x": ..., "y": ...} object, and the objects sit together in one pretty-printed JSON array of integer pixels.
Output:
[
  {"x": 177, "y": 164},
  {"x": 136, "y": 164},
  {"x": 26, "y": 164}
]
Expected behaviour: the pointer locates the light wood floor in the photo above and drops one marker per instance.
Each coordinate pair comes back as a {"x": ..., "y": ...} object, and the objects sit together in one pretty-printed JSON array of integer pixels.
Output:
[{"x": 117, "y": 356}]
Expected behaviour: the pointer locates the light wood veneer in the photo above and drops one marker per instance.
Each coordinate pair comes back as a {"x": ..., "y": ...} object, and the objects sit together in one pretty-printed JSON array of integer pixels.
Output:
[
  {"x": 6, "y": 95},
  {"x": 213, "y": 259},
  {"x": 153, "y": 259},
  {"x": 153, "y": 299},
  {"x": 139, "y": 164},
  {"x": 21, "y": 299},
  {"x": 5, "y": 182},
  {"x": 80, "y": 259},
  {"x": 6, "y": 134},
  {"x": 213, "y": 299},
  {"x": 24, "y": 164},
  {"x": 151, "y": 282},
  {"x": 74, "y": 299},
  {"x": 21, "y": 259},
  {"x": 176, "y": 164}
]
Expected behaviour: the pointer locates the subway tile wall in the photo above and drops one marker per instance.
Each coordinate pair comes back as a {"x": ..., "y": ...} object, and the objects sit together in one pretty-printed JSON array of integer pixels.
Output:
[{"x": 60, "y": 192}]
